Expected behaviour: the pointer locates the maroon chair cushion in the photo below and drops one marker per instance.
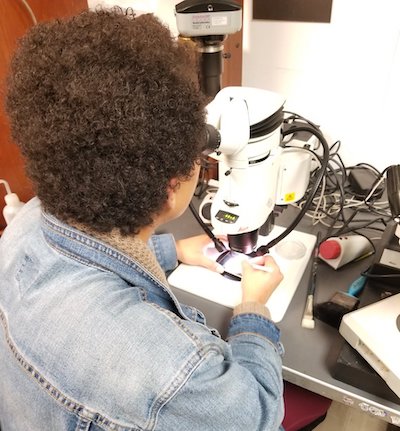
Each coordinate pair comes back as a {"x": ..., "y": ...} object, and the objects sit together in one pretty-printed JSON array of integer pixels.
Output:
[{"x": 302, "y": 407}]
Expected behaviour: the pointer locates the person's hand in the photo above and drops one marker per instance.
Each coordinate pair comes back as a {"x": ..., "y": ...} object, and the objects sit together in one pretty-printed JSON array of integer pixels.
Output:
[
  {"x": 257, "y": 284},
  {"x": 191, "y": 251}
]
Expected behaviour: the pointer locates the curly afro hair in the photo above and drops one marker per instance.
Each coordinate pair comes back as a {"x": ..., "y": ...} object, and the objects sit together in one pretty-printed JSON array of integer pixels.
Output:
[{"x": 106, "y": 109}]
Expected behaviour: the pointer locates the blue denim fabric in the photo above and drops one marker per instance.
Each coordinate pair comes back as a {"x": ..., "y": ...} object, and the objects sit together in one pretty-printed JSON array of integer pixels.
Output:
[{"x": 91, "y": 340}]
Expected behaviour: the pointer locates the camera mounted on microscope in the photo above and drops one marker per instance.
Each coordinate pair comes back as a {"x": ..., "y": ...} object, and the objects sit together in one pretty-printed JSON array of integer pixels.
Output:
[
  {"x": 208, "y": 24},
  {"x": 208, "y": 18}
]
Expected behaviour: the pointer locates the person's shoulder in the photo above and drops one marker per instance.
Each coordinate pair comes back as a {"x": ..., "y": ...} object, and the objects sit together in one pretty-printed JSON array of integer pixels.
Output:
[
  {"x": 25, "y": 222},
  {"x": 183, "y": 331}
]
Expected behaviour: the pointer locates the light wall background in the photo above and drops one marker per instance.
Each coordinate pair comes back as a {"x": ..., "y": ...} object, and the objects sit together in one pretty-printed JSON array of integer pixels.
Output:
[
  {"x": 344, "y": 76},
  {"x": 164, "y": 9}
]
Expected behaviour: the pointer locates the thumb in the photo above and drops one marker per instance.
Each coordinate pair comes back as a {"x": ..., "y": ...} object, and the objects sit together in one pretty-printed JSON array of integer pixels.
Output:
[{"x": 211, "y": 265}]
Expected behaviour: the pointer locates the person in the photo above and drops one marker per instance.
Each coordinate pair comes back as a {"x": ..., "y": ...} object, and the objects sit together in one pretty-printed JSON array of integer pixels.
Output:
[{"x": 108, "y": 114}]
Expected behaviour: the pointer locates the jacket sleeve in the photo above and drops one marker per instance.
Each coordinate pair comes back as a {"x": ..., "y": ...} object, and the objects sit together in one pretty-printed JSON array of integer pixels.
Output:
[{"x": 235, "y": 386}]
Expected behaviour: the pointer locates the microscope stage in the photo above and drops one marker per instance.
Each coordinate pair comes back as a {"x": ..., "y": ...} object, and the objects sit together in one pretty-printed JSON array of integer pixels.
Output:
[{"x": 297, "y": 248}]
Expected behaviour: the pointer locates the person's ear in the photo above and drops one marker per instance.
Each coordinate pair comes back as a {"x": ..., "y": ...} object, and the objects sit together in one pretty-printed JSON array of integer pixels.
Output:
[{"x": 173, "y": 186}]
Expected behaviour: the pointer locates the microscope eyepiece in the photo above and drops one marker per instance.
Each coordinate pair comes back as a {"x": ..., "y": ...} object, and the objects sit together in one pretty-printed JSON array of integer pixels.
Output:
[{"x": 213, "y": 139}]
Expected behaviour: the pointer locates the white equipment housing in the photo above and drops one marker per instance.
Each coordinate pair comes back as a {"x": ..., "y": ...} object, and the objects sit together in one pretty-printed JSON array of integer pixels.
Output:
[
  {"x": 374, "y": 331},
  {"x": 248, "y": 159},
  {"x": 294, "y": 175},
  {"x": 250, "y": 174}
]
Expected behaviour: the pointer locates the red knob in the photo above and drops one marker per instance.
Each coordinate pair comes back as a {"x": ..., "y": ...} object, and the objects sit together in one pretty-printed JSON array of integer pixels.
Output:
[{"x": 330, "y": 249}]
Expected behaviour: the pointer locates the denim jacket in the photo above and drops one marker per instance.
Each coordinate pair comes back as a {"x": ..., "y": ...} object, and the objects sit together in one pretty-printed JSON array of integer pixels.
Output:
[{"x": 91, "y": 340}]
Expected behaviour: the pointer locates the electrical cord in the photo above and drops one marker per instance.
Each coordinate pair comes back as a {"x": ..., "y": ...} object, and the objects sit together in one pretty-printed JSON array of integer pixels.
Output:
[
  {"x": 378, "y": 276},
  {"x": 30, "y": 11},
  {"x": 219, "y": 245},
  {"x": 367, "y": 165},
  {"x": 320, "y": 174},
  {"x": 365, "y": 225},
  {"x": 340, "y": 212},
  {"x": 337, "y": 196},
  {"x": 328, "y": 194},
  {"x": 294, "y": 116},
  {"x": 345, "y": 224},
  {"x": 333, "y": 180}
]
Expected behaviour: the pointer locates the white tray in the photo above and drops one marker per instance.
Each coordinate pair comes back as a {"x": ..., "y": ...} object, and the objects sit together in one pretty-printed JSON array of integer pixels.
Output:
[{"x": 214, "y": 287}]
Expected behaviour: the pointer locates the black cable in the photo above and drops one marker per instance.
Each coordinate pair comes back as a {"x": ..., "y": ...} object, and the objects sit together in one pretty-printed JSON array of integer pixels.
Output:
[
  {"x": 377, "y": 276},
  {"x": 340, "y": 213},
  {"x": 321, "y": 172},
  {"x": 346, "y": 223},
  {"x": 378, "y": 211},
  {"x": 295, "y": 116},
  {"x": 375, "y": 228},
  {"x": 336, "y": 182},
  {"x": 367, "y": 165},
  {"x": 342, "y": 171},
  {"x": 219, "y": 245},
  {"x": 333, "y": 176},
  {"x": 369, "y": 223},
  {"x": 337, "y": 144},
  {"x": 336, "y": 176}
]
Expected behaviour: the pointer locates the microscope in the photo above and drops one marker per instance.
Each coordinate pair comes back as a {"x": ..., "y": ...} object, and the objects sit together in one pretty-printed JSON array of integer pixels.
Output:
[
  {"x": 245, "y": 137},
  {"x": 207, "y": 24},
  {"x": 246, "y": 122},
  {"x": 255, "y": 171},
  {"x": 249, "y": 122}
]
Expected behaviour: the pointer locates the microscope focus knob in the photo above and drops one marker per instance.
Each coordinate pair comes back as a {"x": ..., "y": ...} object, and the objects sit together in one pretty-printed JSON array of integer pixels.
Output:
[{"x": 330, "y": 249}]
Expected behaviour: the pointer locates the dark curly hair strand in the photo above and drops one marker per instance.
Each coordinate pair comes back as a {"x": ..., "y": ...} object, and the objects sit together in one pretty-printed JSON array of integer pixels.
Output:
[{"x": 106, "y": 109}]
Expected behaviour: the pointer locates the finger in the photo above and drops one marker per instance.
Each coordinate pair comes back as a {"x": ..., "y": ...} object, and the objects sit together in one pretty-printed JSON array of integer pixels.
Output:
[
  {"x": 265, "y": 263},
  {"x": 270, "y": 261},
  {"x": 212, "y": 265},
  {"x": 246, "y": 266},
  {"x": 259, "y": 260}
]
